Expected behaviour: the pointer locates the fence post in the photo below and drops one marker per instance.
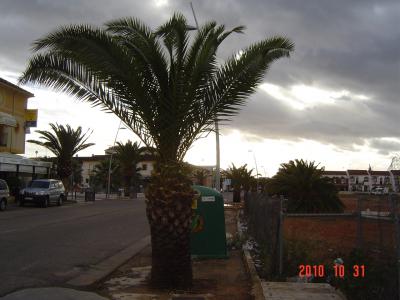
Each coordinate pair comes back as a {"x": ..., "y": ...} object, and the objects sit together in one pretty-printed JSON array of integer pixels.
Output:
[
  {"x": 359, "y": 223},
  {"x": 397, "y": 228},
  {"x": 281, "y": 237}
]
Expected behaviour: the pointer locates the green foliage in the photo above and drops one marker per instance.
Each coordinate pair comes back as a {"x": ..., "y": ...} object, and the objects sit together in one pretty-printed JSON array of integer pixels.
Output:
[
  {"x": 241, "y": 177},
  {"x": 298, "y": 252},
  {"x": 64, "y": 143},
  {"x": 166, "y": 86},
  {"x": 127, "y": 157},
  {"x": 77, "y": 172},
  {"x": 308, "y": 192},
  {"x": 99, "y": 176},
  {"x": 200, "y": 176},
  {"x": 380, "y": 281},
  {"x": 173, "y": 175}
]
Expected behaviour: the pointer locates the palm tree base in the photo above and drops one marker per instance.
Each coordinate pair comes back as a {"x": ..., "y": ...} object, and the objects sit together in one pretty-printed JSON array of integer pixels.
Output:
[{"x": 168, "y": 206}]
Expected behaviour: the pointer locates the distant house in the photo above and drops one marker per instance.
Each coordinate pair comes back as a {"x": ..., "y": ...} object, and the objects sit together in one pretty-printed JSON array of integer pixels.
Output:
[
  {"x": 338, "y": 178},
  {"x": 379, "y": 179},
  {"x": 358, "y": 180},
  {"x": 88, "y": 164},
  {"x": 395, "y": 180}
]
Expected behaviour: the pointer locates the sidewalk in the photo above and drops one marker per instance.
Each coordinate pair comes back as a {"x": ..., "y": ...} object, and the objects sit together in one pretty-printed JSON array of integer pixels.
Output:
[
  {"x": 80, "y": 197},
  {"x": 56, "y": 293},
  {"x": 216, "y": 279}
]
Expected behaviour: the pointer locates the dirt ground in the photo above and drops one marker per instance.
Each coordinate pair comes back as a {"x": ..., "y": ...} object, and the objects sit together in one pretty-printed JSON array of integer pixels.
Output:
[{"x": 213, "y": 278}]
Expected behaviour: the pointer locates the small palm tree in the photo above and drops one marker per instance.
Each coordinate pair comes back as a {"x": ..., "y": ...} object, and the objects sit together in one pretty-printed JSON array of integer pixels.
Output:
[
  {"x": 200, "y": 176},
  {"x": 169, "y": 89},
  {"x": 241, "y": 178},
  {"x": 127, "y": 156},
  {"x": 64, "y": 143},
  {"x": 99, "y": 175},
  {"x": 306, "y": 189}
]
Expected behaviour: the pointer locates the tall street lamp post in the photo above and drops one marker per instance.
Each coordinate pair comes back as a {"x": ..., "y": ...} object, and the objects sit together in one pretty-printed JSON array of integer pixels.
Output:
[
  {"x": 217, "y": 166},
  {"x": 255, "y": 162},
  {"x": 265, "y": 172},
  {"x": 111, "y": 156}
]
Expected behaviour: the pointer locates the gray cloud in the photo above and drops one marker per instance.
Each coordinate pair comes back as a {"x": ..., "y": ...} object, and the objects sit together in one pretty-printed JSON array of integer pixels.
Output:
[
  {"x": 352, "y": 45},
  {"x": 385, "y": 147}
]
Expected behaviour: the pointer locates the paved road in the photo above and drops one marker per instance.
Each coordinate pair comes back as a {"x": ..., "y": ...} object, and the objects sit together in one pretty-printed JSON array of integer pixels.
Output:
[{"x": 47, "y": 247}]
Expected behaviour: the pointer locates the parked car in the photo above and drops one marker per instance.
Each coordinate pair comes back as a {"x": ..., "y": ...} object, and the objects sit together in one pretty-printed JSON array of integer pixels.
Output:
[
  {"x": 4, "y": 195},
  {"x": 377, "y": 191},
  {"x": 43, "y": 192}
]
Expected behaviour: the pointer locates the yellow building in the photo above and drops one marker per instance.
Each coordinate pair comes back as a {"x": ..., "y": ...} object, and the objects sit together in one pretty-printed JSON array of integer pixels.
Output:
[
  {"x": 13, "y": 110},
  {"x": 15, "y": 121}
]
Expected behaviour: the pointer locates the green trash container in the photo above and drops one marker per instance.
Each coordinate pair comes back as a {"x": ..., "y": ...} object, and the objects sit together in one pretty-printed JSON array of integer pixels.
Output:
[{"x": 208, "y": 238}]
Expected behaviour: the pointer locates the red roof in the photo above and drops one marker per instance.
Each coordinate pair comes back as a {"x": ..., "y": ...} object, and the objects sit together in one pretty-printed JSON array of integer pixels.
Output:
[
  {"x": 340, "y": 173},
  {"x": 395, "y": 172},
  {"x": 357, "y": 172}
]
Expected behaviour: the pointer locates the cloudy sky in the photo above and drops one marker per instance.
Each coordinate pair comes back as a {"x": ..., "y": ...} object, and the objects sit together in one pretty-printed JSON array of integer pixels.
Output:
[{"x": 335, "y": 101}]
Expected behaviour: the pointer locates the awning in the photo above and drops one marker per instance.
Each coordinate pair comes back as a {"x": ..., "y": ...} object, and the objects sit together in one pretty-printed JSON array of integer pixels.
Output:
[{"x": 7, "y": 120}]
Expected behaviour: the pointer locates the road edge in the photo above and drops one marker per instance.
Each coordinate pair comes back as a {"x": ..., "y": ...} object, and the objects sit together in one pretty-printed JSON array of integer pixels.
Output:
[
  {"x": 257, "y": 290},
  {"x": 256, "y": 287},
  {"x": 110, "y": 264}
]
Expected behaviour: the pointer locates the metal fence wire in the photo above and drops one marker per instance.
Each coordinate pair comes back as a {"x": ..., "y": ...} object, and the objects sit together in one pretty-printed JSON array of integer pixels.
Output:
[{"x": 369, "y": 223}]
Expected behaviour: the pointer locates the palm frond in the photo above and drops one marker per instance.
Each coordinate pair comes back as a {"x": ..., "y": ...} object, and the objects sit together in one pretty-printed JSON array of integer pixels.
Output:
[{"x": 166, "y": 87}]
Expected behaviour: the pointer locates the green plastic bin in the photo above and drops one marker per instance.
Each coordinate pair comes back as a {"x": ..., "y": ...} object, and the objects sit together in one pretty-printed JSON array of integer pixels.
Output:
[{"x": 208, "y": 238}]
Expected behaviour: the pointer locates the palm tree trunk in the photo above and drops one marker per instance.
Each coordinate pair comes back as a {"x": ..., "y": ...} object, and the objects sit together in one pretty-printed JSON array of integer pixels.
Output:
[
  {"x": 168, "y": 198},
  {"x": 127, "y": 183},
  {"x": 236, "y": 195}
]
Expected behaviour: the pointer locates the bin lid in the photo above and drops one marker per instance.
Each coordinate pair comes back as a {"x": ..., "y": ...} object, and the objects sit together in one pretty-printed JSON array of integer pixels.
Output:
[{"x": 206, "y": 191}]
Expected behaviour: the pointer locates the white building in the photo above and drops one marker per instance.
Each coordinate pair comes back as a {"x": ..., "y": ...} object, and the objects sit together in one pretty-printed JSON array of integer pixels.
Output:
[{"x": 358, "y": 180}]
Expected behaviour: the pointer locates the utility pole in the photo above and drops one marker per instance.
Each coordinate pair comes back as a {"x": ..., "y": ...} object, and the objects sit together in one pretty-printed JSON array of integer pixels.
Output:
[
  {"x": 255, "y": 162},
  {"x": 217, "y": 165},
  {"x": 109, "y": 166}
]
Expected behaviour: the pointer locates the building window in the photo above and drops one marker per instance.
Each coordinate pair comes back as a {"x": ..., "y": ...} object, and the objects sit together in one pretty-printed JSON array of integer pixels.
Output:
[
  {"x": 144, "y": 167},
  {"x": 3, "y": 135}
]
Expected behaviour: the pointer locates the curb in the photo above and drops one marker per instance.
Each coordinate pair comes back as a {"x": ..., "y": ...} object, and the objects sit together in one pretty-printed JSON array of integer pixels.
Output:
[
  {"x": 256, "y": 287},
  {"x": 107, "y": 266}
]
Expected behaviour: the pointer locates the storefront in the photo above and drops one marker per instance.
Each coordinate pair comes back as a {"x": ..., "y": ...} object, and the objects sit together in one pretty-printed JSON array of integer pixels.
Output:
[{"x": 18, "y": 170}]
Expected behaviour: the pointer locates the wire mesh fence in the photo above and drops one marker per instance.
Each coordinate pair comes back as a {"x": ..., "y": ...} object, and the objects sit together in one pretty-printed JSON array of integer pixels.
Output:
[{"x": 369, "y": 225}]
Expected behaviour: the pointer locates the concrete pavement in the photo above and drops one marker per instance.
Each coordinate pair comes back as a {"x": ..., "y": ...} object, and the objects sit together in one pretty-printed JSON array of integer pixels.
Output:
[{"x": 56, "y": 293}]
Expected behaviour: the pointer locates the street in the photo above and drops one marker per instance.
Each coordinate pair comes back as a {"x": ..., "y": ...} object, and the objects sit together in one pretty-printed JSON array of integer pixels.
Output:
[{"x": 47, "y": 247}]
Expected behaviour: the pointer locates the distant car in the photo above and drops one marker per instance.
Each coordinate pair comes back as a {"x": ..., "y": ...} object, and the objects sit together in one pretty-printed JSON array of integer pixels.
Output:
[
  {"x": 43, "y": 192},
  {"x": 4, "y": 194},
  {"x": 378, "y": 191}
]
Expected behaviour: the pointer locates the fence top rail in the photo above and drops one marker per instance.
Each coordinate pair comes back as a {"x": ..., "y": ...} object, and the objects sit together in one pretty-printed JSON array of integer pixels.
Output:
[{"x": 316, "y": 215}]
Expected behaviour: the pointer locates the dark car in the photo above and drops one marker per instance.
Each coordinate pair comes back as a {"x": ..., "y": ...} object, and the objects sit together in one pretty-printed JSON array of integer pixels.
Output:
[
  {"x": 4, "y": 195},
  {"x": 43, "y": 192}
]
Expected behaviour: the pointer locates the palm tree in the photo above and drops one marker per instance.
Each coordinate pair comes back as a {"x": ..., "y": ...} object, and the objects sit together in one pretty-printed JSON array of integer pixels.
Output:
[
  {"x": 306, "y": 189},
  {"x": 241, "y": 178},
  {"x": 99, "y": 175},
  {"x": 127, "y": 156},
  {"x": 64, "y": 143},
  {"x": 168, "y": 88},
  {"x": 200, "y": 176}
]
